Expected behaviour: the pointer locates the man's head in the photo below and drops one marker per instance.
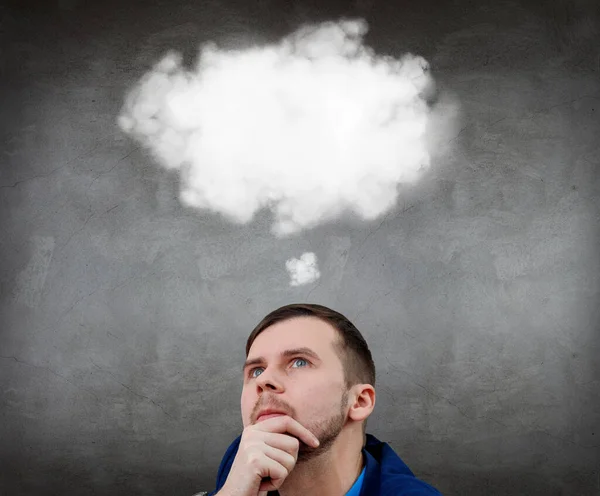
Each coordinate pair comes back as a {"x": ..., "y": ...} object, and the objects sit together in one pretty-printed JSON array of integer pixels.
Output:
[{"x": 312, "y": 363}]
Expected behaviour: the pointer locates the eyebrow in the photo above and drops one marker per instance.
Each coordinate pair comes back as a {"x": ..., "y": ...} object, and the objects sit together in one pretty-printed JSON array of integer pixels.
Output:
[{"x": 287, "y": 353}]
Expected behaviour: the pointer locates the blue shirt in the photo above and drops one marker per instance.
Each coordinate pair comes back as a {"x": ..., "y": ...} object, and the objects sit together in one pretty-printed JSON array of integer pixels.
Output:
[{"x": 357, "y": 486}]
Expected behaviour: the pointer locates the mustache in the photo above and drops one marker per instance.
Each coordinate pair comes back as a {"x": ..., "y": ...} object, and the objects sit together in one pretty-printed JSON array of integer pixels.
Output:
[{"x": 274, "y": 405}]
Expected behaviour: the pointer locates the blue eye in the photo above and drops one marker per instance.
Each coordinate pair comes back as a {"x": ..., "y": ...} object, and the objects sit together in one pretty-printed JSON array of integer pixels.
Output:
[
  {"x": 302, "y": 359},
  {"x": 251, "y": 372}
]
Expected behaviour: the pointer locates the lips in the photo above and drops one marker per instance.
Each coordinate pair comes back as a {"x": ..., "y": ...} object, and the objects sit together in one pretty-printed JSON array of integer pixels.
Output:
[{"x": 266, "y": 414}]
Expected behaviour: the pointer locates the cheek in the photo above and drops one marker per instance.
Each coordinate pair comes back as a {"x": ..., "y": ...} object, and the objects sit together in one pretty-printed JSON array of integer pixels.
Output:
[
  {"x": 324, "y": 399},
  {"x": 246, "y": 404}
]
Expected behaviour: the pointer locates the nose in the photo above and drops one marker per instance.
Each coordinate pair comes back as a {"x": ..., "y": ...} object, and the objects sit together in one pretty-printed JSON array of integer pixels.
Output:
[{"x": 268, "y": 381}]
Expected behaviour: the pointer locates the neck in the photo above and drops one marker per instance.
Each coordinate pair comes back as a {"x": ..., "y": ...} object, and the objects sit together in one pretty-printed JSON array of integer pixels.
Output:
[{"x": 333, "y": 473}]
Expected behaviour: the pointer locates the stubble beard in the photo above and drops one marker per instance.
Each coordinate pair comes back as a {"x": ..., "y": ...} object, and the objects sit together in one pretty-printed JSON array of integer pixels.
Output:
[{"x": 327, "y": 432}]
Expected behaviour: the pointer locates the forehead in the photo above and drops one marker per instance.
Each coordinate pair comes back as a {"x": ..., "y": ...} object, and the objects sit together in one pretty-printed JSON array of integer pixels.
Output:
[{"x": 298, "y": 332}]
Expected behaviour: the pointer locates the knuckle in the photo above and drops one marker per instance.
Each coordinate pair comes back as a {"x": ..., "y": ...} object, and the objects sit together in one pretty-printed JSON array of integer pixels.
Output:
[
  {"x": 283, "y": 472},
  {"x": 295, "y": 443},
  {"x": 253, "y": 458},
  {"x": 290, "y": 463}
]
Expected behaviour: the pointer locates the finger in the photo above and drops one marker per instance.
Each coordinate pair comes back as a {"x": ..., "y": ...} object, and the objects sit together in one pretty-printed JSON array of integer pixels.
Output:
[
  {"x": 276, "y": 466},
  {"x": 283, "y": 458},
  {"x": 285, "y": 423},
  {"x": 302, "y": 433},
  {"x": 283, "y": 442}
]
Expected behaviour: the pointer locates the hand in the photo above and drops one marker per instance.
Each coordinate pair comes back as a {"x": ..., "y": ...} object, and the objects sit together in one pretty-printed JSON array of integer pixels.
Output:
[{"x": 267, "y": 453}]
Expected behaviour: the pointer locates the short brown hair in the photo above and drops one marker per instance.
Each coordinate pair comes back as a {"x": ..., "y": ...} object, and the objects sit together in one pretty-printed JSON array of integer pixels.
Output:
[{"x": 351, "y": 347}]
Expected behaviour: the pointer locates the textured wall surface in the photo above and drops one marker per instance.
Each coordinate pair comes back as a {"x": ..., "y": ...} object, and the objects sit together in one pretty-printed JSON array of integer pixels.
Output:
[{"x": 123, "y": 315}]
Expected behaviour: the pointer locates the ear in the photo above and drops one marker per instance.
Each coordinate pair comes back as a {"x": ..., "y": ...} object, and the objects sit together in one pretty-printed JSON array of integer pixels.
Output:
[{"x": 364, "y": 402}]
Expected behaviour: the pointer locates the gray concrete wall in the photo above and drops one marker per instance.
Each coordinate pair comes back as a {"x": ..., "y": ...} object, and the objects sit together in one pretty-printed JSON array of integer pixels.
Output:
[{"x": 124, "y": 316}]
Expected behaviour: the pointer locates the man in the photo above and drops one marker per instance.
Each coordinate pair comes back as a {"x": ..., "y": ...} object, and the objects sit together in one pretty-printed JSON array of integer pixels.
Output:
[{"x": 308, "y": 390}]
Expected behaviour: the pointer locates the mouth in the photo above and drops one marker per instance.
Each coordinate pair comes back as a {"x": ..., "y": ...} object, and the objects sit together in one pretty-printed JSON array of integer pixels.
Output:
[{"x": 267, "y": 415}]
